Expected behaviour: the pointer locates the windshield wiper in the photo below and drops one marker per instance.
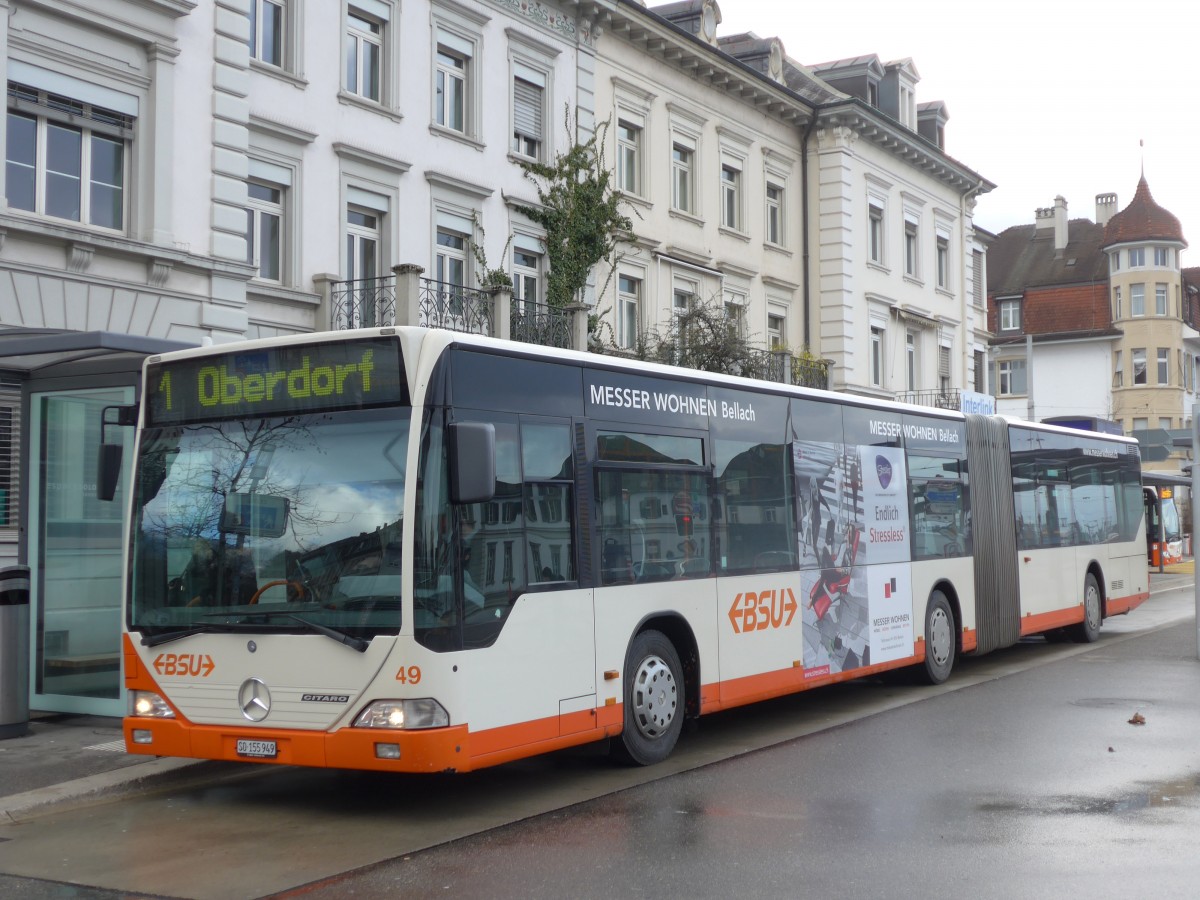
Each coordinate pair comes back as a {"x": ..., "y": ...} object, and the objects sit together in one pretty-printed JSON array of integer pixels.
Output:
[
  {"x": 153, "y": 640},
  {"x": 341, "y": 637}
]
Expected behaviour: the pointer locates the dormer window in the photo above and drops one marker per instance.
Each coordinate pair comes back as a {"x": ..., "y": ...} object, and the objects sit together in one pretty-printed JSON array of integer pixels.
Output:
[
  {"x": 1137, "y": 257},
  {"x": 1010, "y": 315},
  {"x": 873, "y": 94}
]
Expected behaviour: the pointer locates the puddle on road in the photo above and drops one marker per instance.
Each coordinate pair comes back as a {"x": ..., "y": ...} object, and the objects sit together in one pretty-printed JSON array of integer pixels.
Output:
[{"x": 1176, "y": 792}]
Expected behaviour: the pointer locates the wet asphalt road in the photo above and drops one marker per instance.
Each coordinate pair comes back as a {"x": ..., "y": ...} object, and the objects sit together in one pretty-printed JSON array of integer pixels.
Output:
[
  {"x": 1020, "y": 778},
  {"x": 1034, "y": 785}
]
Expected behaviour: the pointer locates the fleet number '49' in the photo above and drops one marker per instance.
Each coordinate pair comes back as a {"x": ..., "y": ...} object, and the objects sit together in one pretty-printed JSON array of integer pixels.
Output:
[{"x": 409, "y": 675}]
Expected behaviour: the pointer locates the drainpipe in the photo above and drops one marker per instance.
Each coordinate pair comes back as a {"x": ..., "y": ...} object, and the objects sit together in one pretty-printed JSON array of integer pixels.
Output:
[{"x": 808, "y": 130}]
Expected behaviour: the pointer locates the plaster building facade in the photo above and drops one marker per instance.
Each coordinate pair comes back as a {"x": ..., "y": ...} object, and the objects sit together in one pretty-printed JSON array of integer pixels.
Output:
[
  {"x": 186, "y": 171},
  {"x": 1096, "y": 319}
]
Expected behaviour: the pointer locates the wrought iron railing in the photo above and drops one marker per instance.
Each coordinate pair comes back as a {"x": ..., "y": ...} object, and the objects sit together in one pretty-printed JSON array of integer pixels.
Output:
[
  {"x": 782, "y": 366},
  {"x": 454, "y": 307},
  {"x": 365, "y": 303},
  {"x": 537, "y": 323},
  {"x": 946, "y": 398}
]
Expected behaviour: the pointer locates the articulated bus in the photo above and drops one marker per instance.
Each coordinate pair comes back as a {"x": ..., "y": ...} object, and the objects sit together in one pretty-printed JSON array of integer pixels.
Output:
[
  {"x": 1164, "y": 536},
  {"x": 420, "y": 551}
]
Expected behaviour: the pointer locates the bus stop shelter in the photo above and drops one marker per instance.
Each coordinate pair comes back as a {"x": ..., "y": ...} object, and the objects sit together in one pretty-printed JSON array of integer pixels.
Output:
[{"x": 58, "y": 383}]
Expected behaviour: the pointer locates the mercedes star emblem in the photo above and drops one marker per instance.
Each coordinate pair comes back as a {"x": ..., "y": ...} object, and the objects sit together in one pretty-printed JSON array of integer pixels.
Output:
[{"x": 254, "y": 699}]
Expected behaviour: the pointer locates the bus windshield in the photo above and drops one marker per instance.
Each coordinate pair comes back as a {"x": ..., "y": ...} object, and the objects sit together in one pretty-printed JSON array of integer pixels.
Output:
[
  {"x": 278, "y": 524},
  {"x": 1170, "y": 520}
]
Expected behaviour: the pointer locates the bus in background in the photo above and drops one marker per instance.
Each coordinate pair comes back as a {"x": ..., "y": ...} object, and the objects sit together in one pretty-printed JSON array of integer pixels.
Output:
[
  {"x": 1164, "y": 536},
  {"x": 414, "y": 550}
]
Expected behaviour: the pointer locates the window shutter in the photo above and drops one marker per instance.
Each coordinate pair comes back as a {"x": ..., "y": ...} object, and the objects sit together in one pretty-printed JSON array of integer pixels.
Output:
[
  {"x": 10, "y": 449},
  {"x": 944, "y": 362},
  {"x": 527, "y": 109}
]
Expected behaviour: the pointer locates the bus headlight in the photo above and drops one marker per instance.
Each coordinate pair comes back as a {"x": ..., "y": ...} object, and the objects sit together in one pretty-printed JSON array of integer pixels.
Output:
[
  {"x": 408, "y": 714},
  {"x": 149, "y": 705}
]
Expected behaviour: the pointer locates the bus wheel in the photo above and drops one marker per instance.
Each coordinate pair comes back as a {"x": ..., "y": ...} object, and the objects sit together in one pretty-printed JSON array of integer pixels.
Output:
[
  {"x": 1088, "y": 630},
  {"x": 653, "y": 700},
  {"x": 940, "y": 644}
]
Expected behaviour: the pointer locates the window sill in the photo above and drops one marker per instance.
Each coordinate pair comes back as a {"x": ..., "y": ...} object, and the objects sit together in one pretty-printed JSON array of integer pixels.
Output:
[
  {"x": 687, "y": 217},
  {"x": 443, "y": 131},
  {"x": 349, "y": 99},
  {"x": 945, "y": 292},
  {"x": 521, "y": 159},
  {"x": 734, "y": 233},
  {"x": 913, "y": 279},
  {"x": 280, "y": 293},
  {"x": 637, "y": 199},
  {"x": 878, "y": 267},
  {"x": 778, "y": 248},
  {"x": 279, "y": 73}
]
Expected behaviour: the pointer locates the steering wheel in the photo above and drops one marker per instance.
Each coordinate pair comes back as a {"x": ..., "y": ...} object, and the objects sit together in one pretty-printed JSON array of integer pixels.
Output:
[{"x": 276, "y": 583}]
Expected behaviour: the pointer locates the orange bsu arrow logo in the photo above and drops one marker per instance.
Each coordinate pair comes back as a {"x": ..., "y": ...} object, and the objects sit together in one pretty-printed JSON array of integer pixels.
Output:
[
  {"x": 198, "y": 665},
  {"x": 758, "y": 611}
]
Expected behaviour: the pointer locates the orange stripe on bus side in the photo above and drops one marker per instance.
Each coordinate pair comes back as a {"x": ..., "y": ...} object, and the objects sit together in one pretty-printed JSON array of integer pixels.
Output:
[{"x": 1119, "y": 605}]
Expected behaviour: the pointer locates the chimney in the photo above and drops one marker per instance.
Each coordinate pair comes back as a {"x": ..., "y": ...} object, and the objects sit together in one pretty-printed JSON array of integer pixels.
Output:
[
  {"x": 1106, "y": 206},
  {"x": 1060, "y": 224}
]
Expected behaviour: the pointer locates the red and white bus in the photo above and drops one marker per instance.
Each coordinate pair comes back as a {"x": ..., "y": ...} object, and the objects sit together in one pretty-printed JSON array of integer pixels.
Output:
[{"x": 420, "y": 551}]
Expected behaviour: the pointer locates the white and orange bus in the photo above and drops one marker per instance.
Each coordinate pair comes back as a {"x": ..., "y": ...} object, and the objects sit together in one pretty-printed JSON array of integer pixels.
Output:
[{"x": 420, "y": 551}]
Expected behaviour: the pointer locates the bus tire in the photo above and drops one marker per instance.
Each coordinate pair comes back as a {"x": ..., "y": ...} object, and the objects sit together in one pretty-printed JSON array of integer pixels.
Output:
[
  {"x": 1088, "y": 631},
  {"x": 941, "y": 646},
  {"x": 654, "y": 701}
]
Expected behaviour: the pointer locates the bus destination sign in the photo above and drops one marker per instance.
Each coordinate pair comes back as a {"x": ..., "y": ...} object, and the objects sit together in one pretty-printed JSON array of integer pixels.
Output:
[{"x": 276, "y": 381}]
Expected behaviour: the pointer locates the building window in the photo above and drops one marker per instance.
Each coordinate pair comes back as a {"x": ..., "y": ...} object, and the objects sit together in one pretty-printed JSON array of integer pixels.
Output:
[
  {"x": 944, "y": 369},
  {"x": 66, "y": 159},
  {"x": 875, "y": 232},
  {"x": 1114, "y": 261},
  {"x": 362, "y": 243},
  {"x": 731, "y": 197},
  {"x": 1140, "y": 423},
  {"x": 735, "y": 313},
  {"x": 1138, "y": 358},
  {"x": 1116, "y": 303},
  {"x": 267, "y": 31},
  {"x": 1010, "y": 378},
  {"x": 529, "y": 99},
  {"x": 1137, "y": 300},
  {"x": 629, "y": 157},
  {"x": 264, "y": 229},
  {"x": 1160, "y": 299},
  {"x": 1119, "y": 369},
  {"x": 877, "y": 357},
  {"x": 910, "y": 360},
  {"x": 911, "y": 249},
  {"x": 1137, "y": 257},
  {"x": 1162, "y": 257},
  {"x": 977, "y": 371},
  {"x": 526, "y": 275},
  {"x": 943, "y": 262},
  {"x": 682, "y": 160},
  {"x": 451, "y": 81},
  {"x": 1164, "y": 365},
  {"x": 364, "y": 54},
  {"x": 629, "y": 303},
  {"x": 450, "y": 258},
  {"x": 774, "y": 214},
  {"x": 776, "y": 331},
  {"x": 1010, "y": 315},
  {"x": 977, "y": 277},
  {"x": 1164, "y": 422}
]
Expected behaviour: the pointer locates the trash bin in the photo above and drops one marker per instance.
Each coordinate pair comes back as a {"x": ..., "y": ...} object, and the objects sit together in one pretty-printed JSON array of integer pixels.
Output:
[{"x": 14, "y": 651}]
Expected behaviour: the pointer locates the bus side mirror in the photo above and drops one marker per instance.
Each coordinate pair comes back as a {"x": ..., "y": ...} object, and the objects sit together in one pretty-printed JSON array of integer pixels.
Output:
[
  {"x": 472, "y": 447},
  {"x": 108, "y": 471},
  {"x": 108, "y": 463}
]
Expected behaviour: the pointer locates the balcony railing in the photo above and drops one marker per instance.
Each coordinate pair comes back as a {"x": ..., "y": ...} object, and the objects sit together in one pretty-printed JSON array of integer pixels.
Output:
[
  {"x": 365, "y": 303},
  {"x": 947, "y": 398},
  {"x": 784, "y": 367},
  {"x": 537, "y": 323},
  {"x": 454, "y": 307}
]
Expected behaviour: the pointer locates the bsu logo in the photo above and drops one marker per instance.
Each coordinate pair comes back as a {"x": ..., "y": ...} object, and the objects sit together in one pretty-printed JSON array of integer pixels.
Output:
[{"x": 883, "y": 469}]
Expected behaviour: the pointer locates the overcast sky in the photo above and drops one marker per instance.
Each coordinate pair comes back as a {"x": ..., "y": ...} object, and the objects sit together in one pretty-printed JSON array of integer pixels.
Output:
[{"x": 1045, "y": 97}]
